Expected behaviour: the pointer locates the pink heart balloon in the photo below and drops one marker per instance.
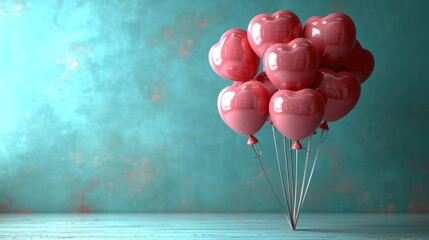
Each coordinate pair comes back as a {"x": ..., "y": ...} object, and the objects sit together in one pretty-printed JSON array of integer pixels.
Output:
[
  {"x": 293, "y": 65},
  {"x": 342, "y": 91},
  {"x": 360, "y": 62},
  {"x": 297, "y": 114},
  {"x": 266, "y": 29},
  {"x": 244, "y": 108},
  {"x": 333, "y": 36},
  {"x": 232, "y": 57},
  {"x": 263, "y": 78}
]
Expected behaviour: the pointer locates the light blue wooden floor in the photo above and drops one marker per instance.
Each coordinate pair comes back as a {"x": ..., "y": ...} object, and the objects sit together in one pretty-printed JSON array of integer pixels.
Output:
[{"x": 212, "y": 226}]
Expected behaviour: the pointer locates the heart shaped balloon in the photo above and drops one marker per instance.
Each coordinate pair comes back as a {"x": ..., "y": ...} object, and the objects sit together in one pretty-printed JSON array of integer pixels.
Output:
[
  {"x": 293, "y": 65},
  {"x": 297, "y": 114},
  {"x": 263, "y": 78},
  {"x": 360, "y": 62},
  {"x": 266, "y": 29},
  {"x": 244, "y": 108},
  {"x": 342, "y": 91},
  {"x": 333, "y": 36},
  {"x": 232, "y": 57}
]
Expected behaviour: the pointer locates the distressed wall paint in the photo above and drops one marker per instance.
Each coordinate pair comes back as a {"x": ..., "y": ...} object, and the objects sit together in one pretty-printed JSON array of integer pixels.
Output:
[{"x": 110, "y": 106}]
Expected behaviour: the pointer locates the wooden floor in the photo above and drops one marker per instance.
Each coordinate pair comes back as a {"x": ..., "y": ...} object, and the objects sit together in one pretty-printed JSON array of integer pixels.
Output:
[{"x": 212, "y": 226}]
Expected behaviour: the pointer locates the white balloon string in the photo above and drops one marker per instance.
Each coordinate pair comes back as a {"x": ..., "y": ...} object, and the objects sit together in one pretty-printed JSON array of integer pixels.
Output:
[
  {"x": 269, "y": 183},
  {"x": 326, "y": 136},
  {"x": 280, "y": 171},
  {"x": 312, "y": 168},
  {"x": 288, "y": 175},
  {"x": 292, "y": 179},
  {"x": 303, "y": 177},
  {"x": 261, "y": 148},
  {"x": 296, "y": 184}
]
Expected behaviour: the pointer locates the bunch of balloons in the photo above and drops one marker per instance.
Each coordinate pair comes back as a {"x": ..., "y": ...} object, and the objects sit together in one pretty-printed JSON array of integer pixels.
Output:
[{"x": 311, "y": 73}]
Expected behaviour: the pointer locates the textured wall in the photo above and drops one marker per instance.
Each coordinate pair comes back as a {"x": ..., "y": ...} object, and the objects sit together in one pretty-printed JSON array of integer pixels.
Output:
[{"x": 110, "y": 106}]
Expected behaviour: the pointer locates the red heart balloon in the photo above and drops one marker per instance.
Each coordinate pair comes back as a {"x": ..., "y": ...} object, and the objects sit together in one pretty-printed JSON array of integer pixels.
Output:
[
  {"x": 342, "y": 91},
  {"x": 360, "y": 62},
  {"x": 266, "y": 29},
  {"x": 263, "y": 78},
  {"x": 244, "y": 108},
  {"x": 297, "y": 114},
  {"x": 334, "y": 37},
  {"x": 232, "y": 57},
  {"x": 293, "y": 65}
]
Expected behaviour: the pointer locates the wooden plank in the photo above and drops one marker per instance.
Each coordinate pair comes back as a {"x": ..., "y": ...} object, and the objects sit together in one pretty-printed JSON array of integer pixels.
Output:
[{"x": 213, "y": 226}]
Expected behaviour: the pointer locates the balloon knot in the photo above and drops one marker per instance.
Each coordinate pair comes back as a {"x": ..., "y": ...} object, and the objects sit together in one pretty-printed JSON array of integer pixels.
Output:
[
  {"x": 252, "y": 140},
  {"x": 324, "y": 126},
  {"x": 296, "y": 145}
]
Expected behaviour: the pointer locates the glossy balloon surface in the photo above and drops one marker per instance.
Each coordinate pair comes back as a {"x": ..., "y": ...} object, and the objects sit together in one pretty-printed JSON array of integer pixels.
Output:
[
  {"x": 232, "y": 57},
  {"x": 244, "y": 108},
  {"x": 291, "y": 66},
  {"x": 297, "y": 114},
  {"x": 342, "y": 91},
  {"x": 263, "y": 78},
  {"x": 266, "y": 29},
  {"x": 333, "y": 36},
  {"x": 360, "y": 62}
]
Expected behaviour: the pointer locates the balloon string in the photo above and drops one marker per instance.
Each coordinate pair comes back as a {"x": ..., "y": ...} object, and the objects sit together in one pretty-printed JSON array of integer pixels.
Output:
[
  {"x": 296, "y": 184},
  {"x": 269, "y": 183},
  {"x": 261, "y": 148},
  {"x": 312, "y": 170},
  {"x": 303, "y": 178},
  {"x": 281, "y": 173},
  {"x": 292, "y": 178},
  {"x": 326, "y": 135},
  {"x": 288, "y": 175}
]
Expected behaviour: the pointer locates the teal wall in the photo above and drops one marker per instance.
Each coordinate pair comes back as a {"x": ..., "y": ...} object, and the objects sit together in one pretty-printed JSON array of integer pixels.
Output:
[{"x": 110, "y": 106}]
